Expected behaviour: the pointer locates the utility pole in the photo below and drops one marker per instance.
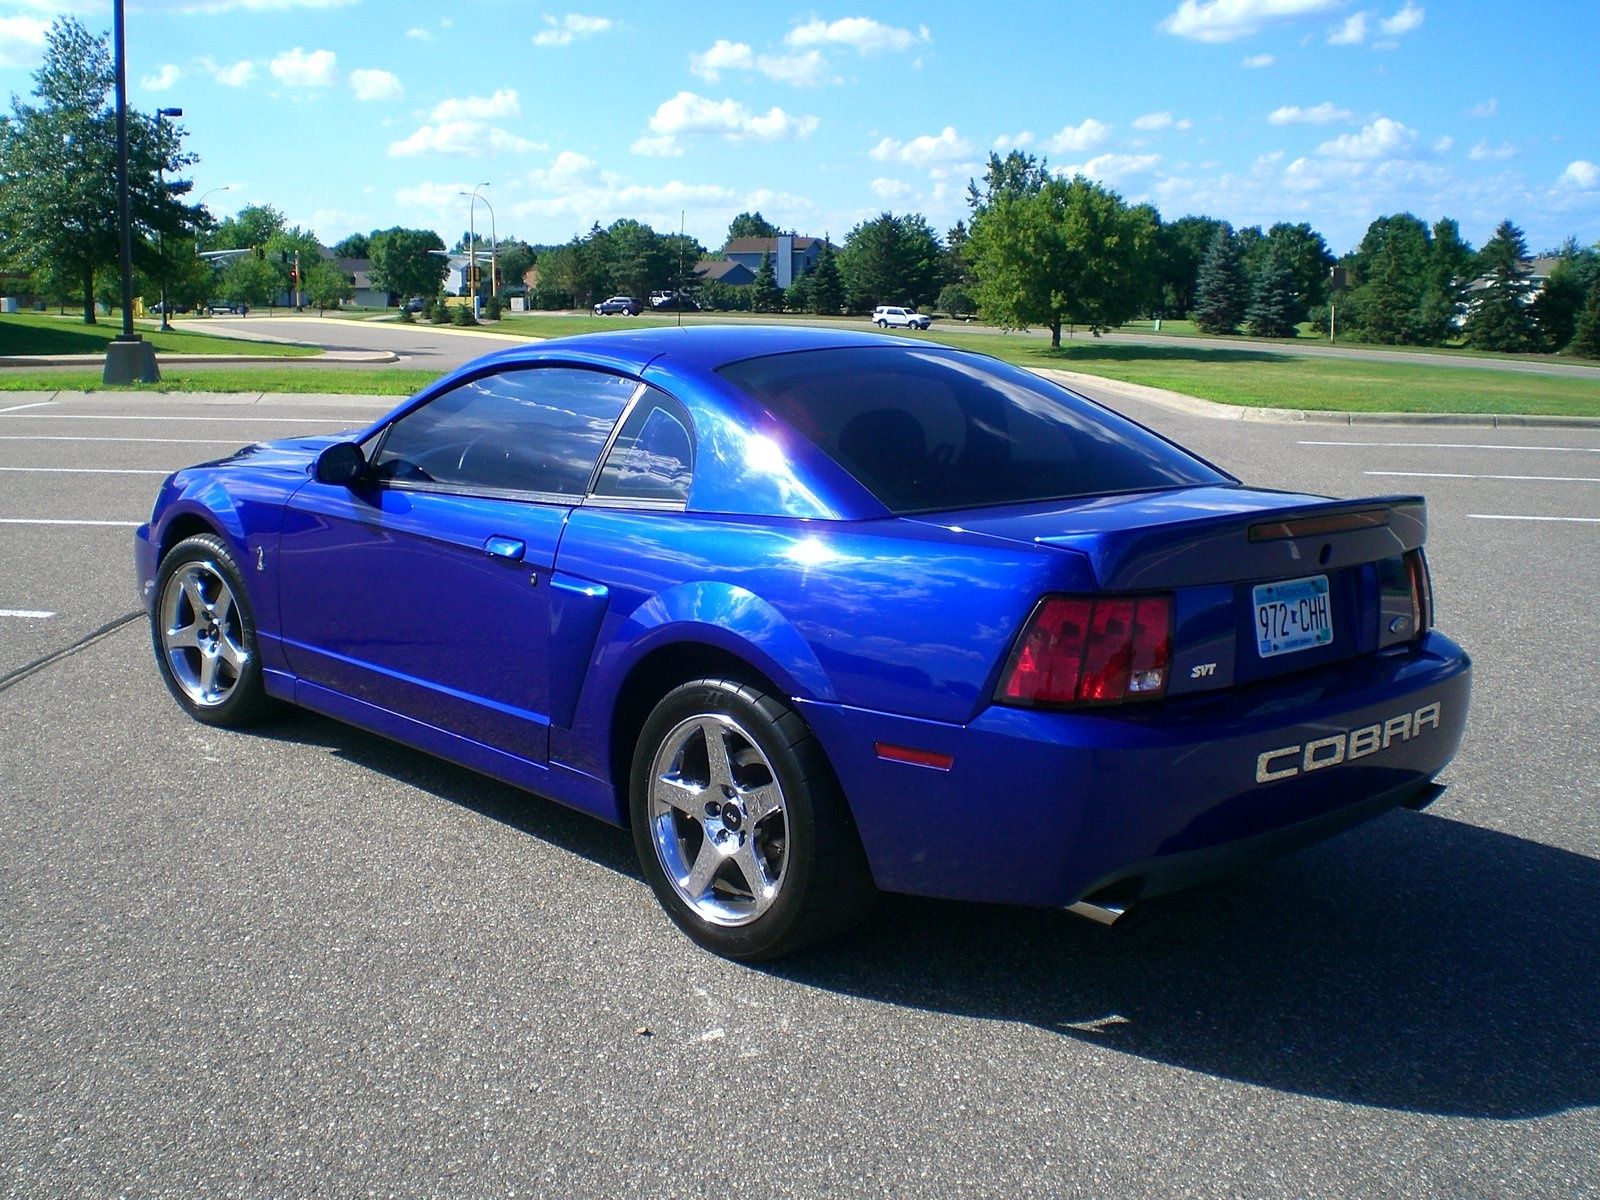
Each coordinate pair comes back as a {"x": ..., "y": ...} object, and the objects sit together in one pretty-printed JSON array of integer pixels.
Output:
[{"x": 129, "y": 358}]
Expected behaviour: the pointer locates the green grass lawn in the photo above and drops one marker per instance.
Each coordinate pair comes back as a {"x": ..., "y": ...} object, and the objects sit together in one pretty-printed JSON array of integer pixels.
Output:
[
  {"x": 47, "y": 333},
  {"x": 344, "y": 381}
]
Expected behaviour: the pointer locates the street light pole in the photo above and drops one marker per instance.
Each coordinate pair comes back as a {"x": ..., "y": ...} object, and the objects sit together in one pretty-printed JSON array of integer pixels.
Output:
[
  {"x": 472, "y": 244},
  {"x": 161, "y": 240},
  {"x": 129, "y": 358},
  {"x": 494, "y": 247}
]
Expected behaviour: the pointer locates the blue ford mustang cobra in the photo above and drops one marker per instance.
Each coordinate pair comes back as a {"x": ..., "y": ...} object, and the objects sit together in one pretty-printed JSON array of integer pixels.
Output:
[{"x": 817, "y": 614}]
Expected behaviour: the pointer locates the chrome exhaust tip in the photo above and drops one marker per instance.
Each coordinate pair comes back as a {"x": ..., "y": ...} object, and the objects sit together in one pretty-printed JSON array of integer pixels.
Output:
[{"x": 1106, "y": 913}]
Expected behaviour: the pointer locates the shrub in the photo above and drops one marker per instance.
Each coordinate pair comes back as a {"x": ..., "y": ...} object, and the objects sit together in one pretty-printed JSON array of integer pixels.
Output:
[
  {"x": 462, "y": 315},
  {"x": 491, "y": 308}
]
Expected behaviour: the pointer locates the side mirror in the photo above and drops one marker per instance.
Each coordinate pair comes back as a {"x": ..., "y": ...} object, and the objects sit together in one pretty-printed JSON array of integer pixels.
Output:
[{"x": 342, "y": 464}]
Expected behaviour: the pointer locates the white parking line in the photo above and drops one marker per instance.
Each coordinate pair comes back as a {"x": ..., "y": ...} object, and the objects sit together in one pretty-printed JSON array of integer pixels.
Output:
[
  {"x": 58, "y": 521},
  {"x": 1507, "y": 517},
  {"x": 86, "y": 470},
  {"x": 20, "y": 407},
  {"x": 1458, "y": 446},
  {"x": 53, "y": 437},
  {"x": 168, "y": 417},
  {"x": 1454, "y": 475},
  {"x": 26, "y": 614}
]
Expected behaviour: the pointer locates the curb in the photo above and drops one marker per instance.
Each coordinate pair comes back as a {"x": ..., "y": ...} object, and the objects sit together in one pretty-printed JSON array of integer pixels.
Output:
[
  {"x": 94, "y": 360},
  {"x": 1196, "y": 407}
]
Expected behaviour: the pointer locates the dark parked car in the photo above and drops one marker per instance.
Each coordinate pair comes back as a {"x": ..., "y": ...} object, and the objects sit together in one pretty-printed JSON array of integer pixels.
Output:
[
  {"x": 617, "y": 304},
  {"x": 817, "y": 613}
]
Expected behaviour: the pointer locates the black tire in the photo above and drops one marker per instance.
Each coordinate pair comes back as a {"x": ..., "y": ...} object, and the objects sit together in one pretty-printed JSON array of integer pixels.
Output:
[
  {"x": 820, "y": 882},
  {"x": 202, "y": 612}
]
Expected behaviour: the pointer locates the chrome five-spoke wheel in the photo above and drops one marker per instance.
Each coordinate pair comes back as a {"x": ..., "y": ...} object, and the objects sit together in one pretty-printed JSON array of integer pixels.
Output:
[
  {"x": 718, "y": 820},
  {"x": 201, "y": 634},
  {"x": 739, "y": 822},
  {"x": 204, "y": 636}
]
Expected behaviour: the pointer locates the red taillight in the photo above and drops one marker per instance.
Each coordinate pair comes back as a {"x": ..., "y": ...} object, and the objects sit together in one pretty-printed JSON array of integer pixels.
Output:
[
  {"x": 1421, "y": 591},
  {"x": 1091, "y": 650}
]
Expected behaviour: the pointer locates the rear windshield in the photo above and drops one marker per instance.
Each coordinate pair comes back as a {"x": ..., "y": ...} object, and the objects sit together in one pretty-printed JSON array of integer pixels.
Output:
[{"x": 926, "y": 429}]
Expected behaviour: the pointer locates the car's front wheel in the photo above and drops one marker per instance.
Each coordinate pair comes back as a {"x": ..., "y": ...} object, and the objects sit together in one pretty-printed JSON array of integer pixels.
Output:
[
  {"x": 204, "y": 634},
  {"x": 740, "y": 825}
]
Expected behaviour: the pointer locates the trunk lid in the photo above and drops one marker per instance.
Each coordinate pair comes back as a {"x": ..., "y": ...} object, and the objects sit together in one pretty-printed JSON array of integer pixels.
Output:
[{"x": 1225, "y": 553}]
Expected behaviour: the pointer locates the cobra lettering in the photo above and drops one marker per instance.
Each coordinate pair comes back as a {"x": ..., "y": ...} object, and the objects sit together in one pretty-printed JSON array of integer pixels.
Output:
[{"x": 1346, "y": 746}]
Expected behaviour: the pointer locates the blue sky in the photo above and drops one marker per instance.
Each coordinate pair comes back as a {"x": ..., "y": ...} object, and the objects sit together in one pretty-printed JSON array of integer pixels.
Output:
[{"x": 350, "y": 115}]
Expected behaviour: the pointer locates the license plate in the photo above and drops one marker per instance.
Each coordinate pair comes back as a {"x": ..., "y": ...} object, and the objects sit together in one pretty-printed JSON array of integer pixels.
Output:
[{"x": 1292, "y": 615}]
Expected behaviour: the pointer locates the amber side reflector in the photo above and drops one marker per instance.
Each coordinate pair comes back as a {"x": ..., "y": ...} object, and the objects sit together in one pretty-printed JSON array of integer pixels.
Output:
[
  {"x": 1367, "y": 518},
  {"x": 914, "y": 757}
]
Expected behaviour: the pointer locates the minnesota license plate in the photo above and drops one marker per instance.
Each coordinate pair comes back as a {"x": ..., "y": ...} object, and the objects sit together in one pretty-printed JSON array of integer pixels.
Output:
[{"x": 1292, "y": 615}]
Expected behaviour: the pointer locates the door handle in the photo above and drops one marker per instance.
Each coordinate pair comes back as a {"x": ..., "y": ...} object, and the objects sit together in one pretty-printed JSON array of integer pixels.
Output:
[{"x": 505, "y": 547}]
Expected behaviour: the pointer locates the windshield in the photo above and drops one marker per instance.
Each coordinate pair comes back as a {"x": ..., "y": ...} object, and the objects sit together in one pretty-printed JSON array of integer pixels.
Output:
[{"x": 926, "y": 429}]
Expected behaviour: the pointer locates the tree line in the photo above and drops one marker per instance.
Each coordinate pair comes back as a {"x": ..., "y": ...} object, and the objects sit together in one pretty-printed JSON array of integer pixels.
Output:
[{"x": 1035, "y": 250}]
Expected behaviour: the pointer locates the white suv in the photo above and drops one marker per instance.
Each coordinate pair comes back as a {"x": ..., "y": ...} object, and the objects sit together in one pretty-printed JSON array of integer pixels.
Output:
[{"x": 887, "y": 316}]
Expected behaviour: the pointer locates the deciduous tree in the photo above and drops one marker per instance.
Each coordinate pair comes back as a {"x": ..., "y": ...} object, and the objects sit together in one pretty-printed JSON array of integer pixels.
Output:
[
  {"x": 402, "y": 264},
  {"x": 751, "y": 224},
  {"x": 325, "y": 285},
  {"x": 58, "y": 185}
]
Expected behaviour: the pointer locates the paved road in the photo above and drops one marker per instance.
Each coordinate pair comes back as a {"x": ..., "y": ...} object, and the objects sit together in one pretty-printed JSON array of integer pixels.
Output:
[
  {"x": 445, "y": 346},
  {"x": 306, "y": 960}
]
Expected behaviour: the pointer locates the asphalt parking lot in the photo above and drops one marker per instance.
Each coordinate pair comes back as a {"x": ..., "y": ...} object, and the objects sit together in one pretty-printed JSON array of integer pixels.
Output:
[{"x": 304, "y": 960}]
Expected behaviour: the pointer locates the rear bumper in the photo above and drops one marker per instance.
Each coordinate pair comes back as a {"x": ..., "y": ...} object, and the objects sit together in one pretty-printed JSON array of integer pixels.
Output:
[{"x": 1049, "y": 808}]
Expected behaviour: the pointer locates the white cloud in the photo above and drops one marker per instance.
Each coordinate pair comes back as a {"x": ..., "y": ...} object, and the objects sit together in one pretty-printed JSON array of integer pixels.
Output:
[
  {"x": 237, "y": 75},
  {"x": 1483, "y": 151},
  {"x": 1442, "y": 144},
  {"x": 1485, "y": 109},
  {"x": 461, "y": 125},
  {"x": 1320, "y": 114},
  {"x": 688, "y": 113},
  {"x": 891, "y": 190},
  {"x": 1581, "y": 174},
  {"x": 946, "y": 146},
  {"x": 1404, "y": 21},
  {"x": 297, "y": 68},
  {"x": 1012, "y": 141},
  {"x": 1381, "y": 139},
  {"x": 1255, "y": 62},
  {"x": 862, "y": 34},
  {"x": 471, "y": 139},
  {"x": 1161, "y": 120},
  {"x": 805, "y": 69},
  {"x": 420, "y": 34},
  {"x": 1352, "y": 32},
  {"x": 570, "y": 28},
  {"x": 165, "y": 76},
  {"x": 502, "y": 104},
  {"x": 1112, "y": 168},
  {"x": 431, "y": 195},
  {"x": 222, "y": 6},
  {"x": 722, "y": 56},
  {"x": 375, "y": 84},
  {"x": 1074, "y": 139},
  {"x": 1229, "y": 20},
  {"x": 21, "y": 40}
]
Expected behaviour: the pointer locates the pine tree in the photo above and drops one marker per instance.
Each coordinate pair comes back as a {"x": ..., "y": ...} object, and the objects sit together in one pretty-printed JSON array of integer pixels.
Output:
[
  {"x": 1274, "y": 307},
  {"x": 1586, "y": 341},
  {"x": 1501, "y": 319},
  {"x": 768, "y": 296},
  {"x": 827, "y": 289},
  {"x": 1221, "y": 289}
]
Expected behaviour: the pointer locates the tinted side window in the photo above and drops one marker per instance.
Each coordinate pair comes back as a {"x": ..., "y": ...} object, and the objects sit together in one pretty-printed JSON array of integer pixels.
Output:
[
  {"x": 533, "y": 430},
  {"x": 653, "y": 456},
  {"x": 929, "y": 429}
]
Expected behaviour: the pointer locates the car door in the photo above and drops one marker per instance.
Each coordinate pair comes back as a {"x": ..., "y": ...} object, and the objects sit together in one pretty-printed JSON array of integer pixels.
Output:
[{"x": 425, "y": 589}]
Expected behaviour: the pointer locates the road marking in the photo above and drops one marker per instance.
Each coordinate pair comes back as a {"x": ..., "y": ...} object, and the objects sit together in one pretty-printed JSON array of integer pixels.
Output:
[
  {"x": 153, "y": 417},
  {"x": 1458, "y": 446},
  {"x": 1454, "y": 475},
  {"x": 1505, "y": 517},
  {"x": 58, "y": 521},
  {"x": 20, "y": 407},
  {"x": 61, "y": 437},
  {"x": 87, "y": 470},
  {"x": 26, "y": 614}
]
